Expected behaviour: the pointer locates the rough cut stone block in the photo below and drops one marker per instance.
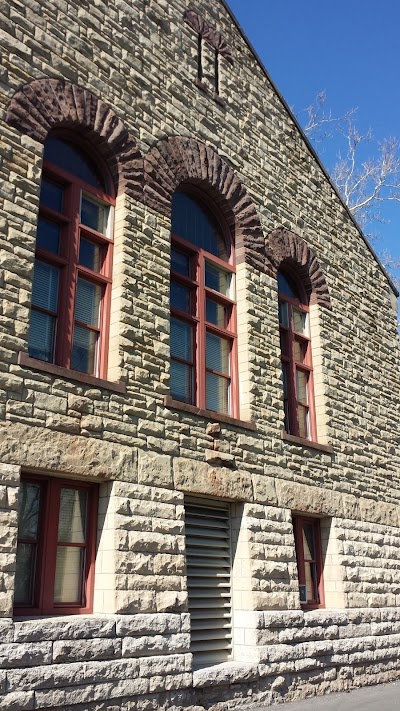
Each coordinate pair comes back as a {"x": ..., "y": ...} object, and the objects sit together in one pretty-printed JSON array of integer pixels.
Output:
[
  {"x": 88, "y": 649},
  {"x": 225, "y": 674},
  {"x": 139, "y": 625},
  {"x": 57, "y": 628},
  {"x": 25, "y": 655}
]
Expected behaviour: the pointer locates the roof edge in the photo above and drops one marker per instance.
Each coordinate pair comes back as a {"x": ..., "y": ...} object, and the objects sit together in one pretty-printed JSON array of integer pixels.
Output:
[{"x": 309, "y": 146}]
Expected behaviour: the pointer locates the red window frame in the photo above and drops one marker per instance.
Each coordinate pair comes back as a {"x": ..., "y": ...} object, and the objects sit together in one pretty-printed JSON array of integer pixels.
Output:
[
  {"x": 197, "y": 319},
  {"x": 67, "y": 262},
  {"x": 316, "y": 564},
  {"x": 292, "y": 365},
  {"x": 46, "y": 542}
]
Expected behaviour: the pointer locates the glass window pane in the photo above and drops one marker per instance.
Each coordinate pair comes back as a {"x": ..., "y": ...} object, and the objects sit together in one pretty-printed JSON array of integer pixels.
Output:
[
  {"x": 28, "y": 517},
  {"x": 311, "y": 582},
  {"x": 73, "y": 161},
  {"x": 25, "y": 574},
  {"x": 302, "y": 390},
  {"x": 285, "y": 343},
  {"x": 180, "y": 262},
  {"x": 45, "y": 286},
  {"x": 304, "y": 419},
  {"x": 48, "y": 235},
  {"x": 41, "y": 336},
  {"x": 87, "y": 303},
  {"x": 217, "y": 393},
  {"x": 181, "y": 339},
  {"x": 308, "y": 541},
  {"x": 72, "y": 516},
  {"x": 180, "y": 297},
  {"x": 218, "y": 279},
  {"x": 94, "y": 215},
  {"x": 68, "y": 578},
  {"x": 216, "y": 313},
  {"x": 181, "y": 381},
  {"x": 284, "y": 314},
  {"x": 191, "y": 222},
  {"x": 84, "y": 350},
  {"x": 51, "y": 195},
  {"x": 217, "y": 353},
  {"x": 300, "y": 322},
  {"x": 287, "y": 287},
  {"x": 300, "y": 351},
  {"x": 90, "y": 255}
]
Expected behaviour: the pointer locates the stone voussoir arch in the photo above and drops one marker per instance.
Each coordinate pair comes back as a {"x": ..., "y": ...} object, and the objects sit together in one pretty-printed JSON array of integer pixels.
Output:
[
  {"x": 52, "y": 103},
  {"x": 283, "y": 246},
  {"x": 178, "y": 160}
]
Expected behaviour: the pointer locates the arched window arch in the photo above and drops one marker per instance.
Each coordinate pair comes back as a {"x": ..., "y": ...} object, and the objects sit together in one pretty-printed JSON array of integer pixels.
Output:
[
  {"x": 73, "y": 260},
  {"x": 203, "y": 309},
  {"x": 297, "y": 371}
]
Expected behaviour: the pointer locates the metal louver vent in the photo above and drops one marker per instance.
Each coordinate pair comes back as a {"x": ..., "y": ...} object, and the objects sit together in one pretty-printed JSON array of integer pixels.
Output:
[{"x": 208, "y": 554}]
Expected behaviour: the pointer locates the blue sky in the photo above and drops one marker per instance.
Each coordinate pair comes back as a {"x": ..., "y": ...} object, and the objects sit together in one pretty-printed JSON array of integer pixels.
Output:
[{"x": 350, "y": 49}]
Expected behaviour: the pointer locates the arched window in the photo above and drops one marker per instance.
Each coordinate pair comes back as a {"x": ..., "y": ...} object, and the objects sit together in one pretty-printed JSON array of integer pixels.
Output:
[
  {"x": 296, "y": 357},
  {"x": 72, "y": 276},
  {"x": 203, "y": 313}
]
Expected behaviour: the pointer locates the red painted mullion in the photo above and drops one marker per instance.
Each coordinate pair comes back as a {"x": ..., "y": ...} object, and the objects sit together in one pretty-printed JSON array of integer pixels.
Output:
[
  {"x": 50, "y": 545},
  {"x": 291, "y": 380},
  {"x": 200, "y": 340},
  {"x": 70, "y": 244}
]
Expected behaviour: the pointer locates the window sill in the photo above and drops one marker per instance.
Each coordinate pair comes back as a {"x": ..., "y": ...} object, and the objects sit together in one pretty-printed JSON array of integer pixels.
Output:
[
  {"x": 51, "y": 369},
  {"x": 225, "y": 673},
  {"x": 301, "y": 442},
  {"x": 208, "y": 414}
]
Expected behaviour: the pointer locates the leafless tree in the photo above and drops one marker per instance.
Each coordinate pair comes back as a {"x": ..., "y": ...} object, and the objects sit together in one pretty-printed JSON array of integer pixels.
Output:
[{"x": 364, "y": 183}]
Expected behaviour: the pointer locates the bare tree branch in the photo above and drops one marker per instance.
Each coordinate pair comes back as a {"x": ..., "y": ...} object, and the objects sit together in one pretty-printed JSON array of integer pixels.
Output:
[{"x": 365, "y": 183}]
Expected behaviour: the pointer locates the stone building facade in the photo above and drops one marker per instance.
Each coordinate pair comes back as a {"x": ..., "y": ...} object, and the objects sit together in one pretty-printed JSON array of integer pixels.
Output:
[{"x": 166, "y": 98}]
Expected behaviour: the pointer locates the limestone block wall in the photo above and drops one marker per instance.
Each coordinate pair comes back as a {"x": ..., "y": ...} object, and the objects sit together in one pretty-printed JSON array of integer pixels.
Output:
[{"x": 138, "y": 63}]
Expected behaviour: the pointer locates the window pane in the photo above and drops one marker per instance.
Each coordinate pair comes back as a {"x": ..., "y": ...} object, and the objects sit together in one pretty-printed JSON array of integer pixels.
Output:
[
  {"x": 181, "y": 381},
  {"x": 286, "y": 286},
  {"x": 218, "y": 279},
  {"x": 180, "y": 297},
  {"x": 45, "y": 286},
  {"x": 48, "y": 236},
  {"x": 216, "y": 313},
  {"x": 190, "y": 221},
  {"x": 217, "y": 393},
  {"x": 217, "y": 353},
  {"x": 180, "y": 262},
  {"x": 28, "y": 517},
  {"x": 308, "y": 541},
  {"x": 69, "y": 574},
  {"x": 94, "y": 215},
  {"x": 302, "y": 390},
  {"x": 311, "y": 582},
  {"x": 51, "y": 195},
  {"x": 84, "y": 350},
  {"x": 73, "y": 161},
  {"x": 72, "y": 516},
  {"x": 284, "y": 314},
  {"x": 90, "y": 255},
  {"x": 24, "y": 574},
  {"x": 300, "y": 322},
  {"x": 181, "y": 339},
  {"x": 41, "y": 336},
  {"x": 87, "y": 304},
  {"x": 285, "y": 343},
  {"x": 303, "y": 418},
  {"x": 300, "y": 351}
]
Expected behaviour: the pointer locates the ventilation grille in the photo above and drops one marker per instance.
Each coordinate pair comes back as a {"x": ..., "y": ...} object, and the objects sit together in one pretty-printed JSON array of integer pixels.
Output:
[{"x": 208, "y": 554}]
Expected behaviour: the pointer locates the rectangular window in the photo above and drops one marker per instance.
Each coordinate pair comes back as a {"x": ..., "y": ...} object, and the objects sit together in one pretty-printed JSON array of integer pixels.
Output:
[
  {"x": 307, "y": 536},
  {"x": 56, "y": 546},
  {"x": 208, "y": 559}
]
